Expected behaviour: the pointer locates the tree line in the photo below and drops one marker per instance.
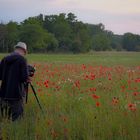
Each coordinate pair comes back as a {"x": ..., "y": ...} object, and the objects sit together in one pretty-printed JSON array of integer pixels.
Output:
[{"x": 64, "y": 33}]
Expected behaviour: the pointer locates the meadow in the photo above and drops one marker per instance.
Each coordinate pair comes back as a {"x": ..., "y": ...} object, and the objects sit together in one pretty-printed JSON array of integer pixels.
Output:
[{"x": 92, "y": 96}]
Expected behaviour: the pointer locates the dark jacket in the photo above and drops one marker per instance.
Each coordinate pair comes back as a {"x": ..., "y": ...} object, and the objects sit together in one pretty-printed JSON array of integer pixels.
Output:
[{"x": 13, "y": 73}]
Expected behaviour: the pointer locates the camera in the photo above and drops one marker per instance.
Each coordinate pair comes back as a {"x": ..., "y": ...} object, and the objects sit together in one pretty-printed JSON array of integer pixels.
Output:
[{"x": 31, "y": 70}]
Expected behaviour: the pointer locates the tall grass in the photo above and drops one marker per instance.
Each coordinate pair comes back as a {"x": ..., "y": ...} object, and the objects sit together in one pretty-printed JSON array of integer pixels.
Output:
[{"x": 84, "y": 97}]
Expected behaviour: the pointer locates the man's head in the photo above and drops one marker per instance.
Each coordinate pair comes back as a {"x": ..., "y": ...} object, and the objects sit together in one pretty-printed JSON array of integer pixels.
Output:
[{"x": 21, "y": 48}]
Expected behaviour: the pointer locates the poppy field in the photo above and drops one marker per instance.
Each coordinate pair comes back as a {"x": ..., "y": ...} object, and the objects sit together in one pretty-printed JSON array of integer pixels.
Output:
[{"x": 83, "y": 97}]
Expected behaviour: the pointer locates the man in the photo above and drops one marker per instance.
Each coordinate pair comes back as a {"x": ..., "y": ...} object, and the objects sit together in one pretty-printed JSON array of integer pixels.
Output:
[{"x": 13, "y": 75}]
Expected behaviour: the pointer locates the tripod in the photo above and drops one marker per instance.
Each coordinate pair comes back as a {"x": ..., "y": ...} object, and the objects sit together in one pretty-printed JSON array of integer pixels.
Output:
[{"x": 27, "y": 86}]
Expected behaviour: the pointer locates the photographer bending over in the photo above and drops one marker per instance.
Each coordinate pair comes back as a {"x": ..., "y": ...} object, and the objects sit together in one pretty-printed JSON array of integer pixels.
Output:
[{"x": 13, "y": 75}]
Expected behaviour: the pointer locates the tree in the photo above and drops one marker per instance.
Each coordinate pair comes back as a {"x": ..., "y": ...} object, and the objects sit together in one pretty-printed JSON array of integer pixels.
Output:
[
  {"x": 12, "y": 37},
  {"x": 34, "y": 36},
  {"x": 59, "y": 26},
  {"x": 131, "y": 42},
  {"x": 64, "y": 33},
  {"x": 81, "y": 38},
  {"x": 34, "y": 20},
  {"x": 101, "y": 42},
  {"x": 116, "y": 42},
  {"x": 96, "y": 29},
  {"x": 3, "y": 35},
  {"x": 71, "y": 18},
  {"x": 52, "y": 43}
]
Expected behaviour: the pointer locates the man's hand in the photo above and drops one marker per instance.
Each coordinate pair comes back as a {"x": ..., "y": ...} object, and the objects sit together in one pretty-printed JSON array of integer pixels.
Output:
[{"x": 29, "y": 80}]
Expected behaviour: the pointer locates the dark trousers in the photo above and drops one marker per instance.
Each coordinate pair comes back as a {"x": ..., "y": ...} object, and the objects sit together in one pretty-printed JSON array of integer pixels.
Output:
[{"x": 11, "y": 109}]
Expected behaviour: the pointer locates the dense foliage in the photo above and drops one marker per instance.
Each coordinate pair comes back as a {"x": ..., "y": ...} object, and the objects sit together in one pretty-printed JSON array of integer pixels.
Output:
[{"x": 64, "y": 33}]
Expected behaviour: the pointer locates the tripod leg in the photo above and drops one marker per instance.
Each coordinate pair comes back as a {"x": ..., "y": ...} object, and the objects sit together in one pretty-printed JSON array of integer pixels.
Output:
[
  {"x": 26, "y": 90},
  {"x": 36, "y": 97}
]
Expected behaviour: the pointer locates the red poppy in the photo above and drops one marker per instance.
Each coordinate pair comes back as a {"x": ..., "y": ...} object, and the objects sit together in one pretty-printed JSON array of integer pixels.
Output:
[
  {"x": 98, "y": 104},
  {"x": 94, "y": 96},
  {"x": 132, "y": 107}
]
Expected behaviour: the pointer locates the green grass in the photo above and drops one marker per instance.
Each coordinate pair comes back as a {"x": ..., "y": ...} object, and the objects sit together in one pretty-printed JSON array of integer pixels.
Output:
[
  {"x": 96, "y": 58},
  {"x": 70, "y": 111}
]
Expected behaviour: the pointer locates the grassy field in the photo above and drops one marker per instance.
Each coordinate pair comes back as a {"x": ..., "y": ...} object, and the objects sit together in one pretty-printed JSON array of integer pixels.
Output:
[
  {"x": 84, "y": 97},
  {"x": 97, "y": 58},
  {"x": 108, "y": 58}
]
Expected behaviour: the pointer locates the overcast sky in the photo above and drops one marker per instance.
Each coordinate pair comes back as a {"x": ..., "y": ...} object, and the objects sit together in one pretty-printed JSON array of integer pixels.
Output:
[{"x": 119, "y": 16}]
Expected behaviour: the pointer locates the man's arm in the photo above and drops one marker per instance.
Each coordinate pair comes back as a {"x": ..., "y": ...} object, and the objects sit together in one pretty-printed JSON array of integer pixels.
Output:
[
  {"x": 0, "y": 73},
  {"x": 1, "y": 69},
  {"x": 24, "y": 72}
]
